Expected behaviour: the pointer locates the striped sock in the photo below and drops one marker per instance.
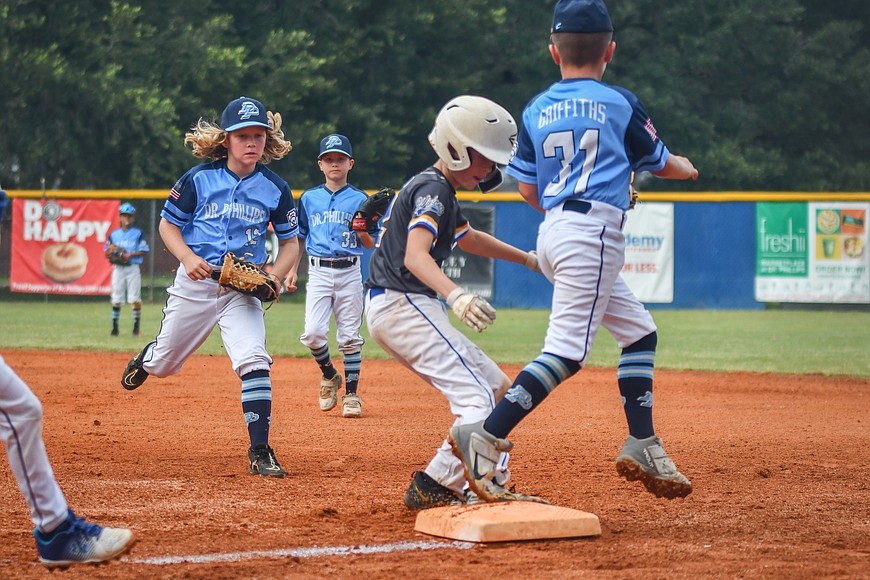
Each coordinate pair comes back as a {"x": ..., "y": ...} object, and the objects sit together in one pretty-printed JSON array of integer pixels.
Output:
[
  {"x": 635, "y": 378},
  {"x": 257, "y": 405},
  {"x": 532, "y": 385},
  {"x": 352, "y": 366},
  {"x": 321, "y": 355}
]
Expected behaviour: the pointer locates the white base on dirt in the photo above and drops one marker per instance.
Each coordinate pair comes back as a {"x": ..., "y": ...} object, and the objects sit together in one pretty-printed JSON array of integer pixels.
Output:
[{"x": 507, "y": 522}]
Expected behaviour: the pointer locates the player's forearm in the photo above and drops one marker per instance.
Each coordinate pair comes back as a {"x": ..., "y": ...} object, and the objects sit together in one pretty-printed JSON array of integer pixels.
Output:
[
  {"x": 287, "y": 259},
  {"x": 366, "y": 239},
  {"x": 427, "y": 271},
  {"x": 483, "y": 244},
  {"x": 677, "y": 167}
]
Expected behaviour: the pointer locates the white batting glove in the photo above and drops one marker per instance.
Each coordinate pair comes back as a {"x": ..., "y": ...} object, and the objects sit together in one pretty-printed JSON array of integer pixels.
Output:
[
  {"x": 532, "y": 261},
  {"x": 471, "y": 309}
]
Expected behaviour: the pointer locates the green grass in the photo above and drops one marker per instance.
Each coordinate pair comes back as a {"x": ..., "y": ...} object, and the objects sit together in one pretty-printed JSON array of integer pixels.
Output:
[{"x": 777, "y": 341}]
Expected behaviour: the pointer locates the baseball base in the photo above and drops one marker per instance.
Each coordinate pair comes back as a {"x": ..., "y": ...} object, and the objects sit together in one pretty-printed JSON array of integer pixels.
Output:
[{"x": 507, "y": 522}]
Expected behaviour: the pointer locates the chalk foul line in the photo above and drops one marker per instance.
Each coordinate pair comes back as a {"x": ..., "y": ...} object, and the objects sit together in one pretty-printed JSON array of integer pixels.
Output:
[{"x": 312, "y": 552}]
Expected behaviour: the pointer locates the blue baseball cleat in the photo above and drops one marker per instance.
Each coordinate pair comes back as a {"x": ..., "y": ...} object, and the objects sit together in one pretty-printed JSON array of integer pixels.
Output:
[{"x": 78, "y": 542}]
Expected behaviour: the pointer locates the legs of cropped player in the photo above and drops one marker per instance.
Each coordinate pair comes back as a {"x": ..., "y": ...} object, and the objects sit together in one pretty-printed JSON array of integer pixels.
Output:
[{"x": 21, "y": 431}]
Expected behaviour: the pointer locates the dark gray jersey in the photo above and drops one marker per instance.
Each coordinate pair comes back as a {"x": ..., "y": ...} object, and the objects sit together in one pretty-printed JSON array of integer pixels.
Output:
[{"x": 426, "y": 201}]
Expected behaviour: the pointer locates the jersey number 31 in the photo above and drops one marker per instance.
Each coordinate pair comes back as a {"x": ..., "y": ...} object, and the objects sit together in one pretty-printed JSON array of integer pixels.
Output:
[{"x": 557, "y": 144}]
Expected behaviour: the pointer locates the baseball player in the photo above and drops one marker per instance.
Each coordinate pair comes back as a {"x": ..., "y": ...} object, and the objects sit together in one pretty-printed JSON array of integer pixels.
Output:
[
  {"x": 125, "y": 249},
  {"x": 218, "y": 207},
  {"x": 403, "y": 311},
  {"x": 579, "y": 142},
  {"x": 334, "y": 276},
  {"x": 62, "y": 538}
]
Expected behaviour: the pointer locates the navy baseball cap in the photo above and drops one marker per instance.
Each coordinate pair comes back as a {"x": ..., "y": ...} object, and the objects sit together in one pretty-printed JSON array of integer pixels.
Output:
[
  {"x": 244, "y": 112},
  {"x": 335, "y": 143},
  {"x": 581, "y": 16}
]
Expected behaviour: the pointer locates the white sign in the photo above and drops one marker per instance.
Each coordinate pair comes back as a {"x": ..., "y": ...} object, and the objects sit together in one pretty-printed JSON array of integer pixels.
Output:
[{"x": 649, "y": 252}]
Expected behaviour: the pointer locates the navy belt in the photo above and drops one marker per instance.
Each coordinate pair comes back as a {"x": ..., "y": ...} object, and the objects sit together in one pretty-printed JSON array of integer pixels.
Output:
[
  {"x": 376, "y": 291},
  {"x": 577, "y": 205},
  {"x": 339, "y": 263}
]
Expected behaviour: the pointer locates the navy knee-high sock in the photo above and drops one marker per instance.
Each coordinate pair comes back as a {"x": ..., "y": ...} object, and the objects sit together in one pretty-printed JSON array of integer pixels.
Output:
[
  {"x": 257, "y": 406},
  {"x": 352, "y": 366},
  {"x": 528, "y": 390},
  {"x": 321, "y": 355},
  {"x": 635, "y": 377}
]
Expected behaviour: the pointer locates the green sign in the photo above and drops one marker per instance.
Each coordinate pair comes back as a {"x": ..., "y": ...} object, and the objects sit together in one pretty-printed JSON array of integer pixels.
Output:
[{"x": 782, "y": 239}]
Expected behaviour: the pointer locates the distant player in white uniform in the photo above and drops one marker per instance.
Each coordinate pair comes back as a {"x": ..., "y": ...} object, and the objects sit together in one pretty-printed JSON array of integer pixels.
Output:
[
  {"x": 403, "y": 310},
  {"x": 61, "y": 537},
  {"x": 218, "y": 207},
  {"x": 578, "y": 145},
  {"x": 125, "y": 249},
  {"x": 334, "y": 277}
]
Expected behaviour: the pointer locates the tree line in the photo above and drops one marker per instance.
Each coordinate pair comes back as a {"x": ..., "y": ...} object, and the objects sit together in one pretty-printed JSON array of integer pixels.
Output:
[{"x": 97, "y": 95}]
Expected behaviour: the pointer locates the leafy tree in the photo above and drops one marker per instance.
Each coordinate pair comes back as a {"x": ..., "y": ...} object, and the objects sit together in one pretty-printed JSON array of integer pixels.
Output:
[{"x": 98, "y": 94}]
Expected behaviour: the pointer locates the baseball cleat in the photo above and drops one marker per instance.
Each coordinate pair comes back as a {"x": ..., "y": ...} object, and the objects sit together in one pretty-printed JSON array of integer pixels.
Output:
[
  {"x": 479, "y": 452},
  {"x": 424, "y": 493},
  {"x": 645, "y": 460},
  {"x": 79, "y": 542},
  {"x": 328, "y": 390},
  {"x": 264, "y": 462},
  {"x": 134, "y": 376},
  {"x": 351, "y": 406}
]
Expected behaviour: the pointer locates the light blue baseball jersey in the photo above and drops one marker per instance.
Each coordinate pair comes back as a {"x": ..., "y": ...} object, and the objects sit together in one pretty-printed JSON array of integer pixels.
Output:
[
  {"x": 132, "y": 240},
  {"x": 580, "y": 139},
  {"x": 219, "y": 213},
  {"x": 324, "y": 221}
]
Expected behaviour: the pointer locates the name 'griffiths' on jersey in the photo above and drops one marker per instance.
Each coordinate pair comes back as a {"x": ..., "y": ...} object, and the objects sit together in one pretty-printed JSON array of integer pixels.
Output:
[{"x": 573, "y": 108}]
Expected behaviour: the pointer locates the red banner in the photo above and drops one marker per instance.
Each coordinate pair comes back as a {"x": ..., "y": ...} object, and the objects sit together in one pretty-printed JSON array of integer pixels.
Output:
[{"x": 57, "y": 245}]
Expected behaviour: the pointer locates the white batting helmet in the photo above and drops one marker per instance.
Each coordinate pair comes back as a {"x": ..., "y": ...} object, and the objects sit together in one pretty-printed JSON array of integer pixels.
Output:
[{"x": 474, "y": 122}]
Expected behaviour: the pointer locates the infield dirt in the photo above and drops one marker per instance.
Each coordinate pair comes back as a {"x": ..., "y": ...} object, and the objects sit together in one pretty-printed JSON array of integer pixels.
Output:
[{"x": 780, "y": 467}]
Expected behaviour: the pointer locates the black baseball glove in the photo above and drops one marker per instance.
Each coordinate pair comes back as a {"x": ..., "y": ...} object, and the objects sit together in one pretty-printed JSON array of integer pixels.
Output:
[
  {"x": 367, "y": 217},
  {"x": 118, "y": 257}
]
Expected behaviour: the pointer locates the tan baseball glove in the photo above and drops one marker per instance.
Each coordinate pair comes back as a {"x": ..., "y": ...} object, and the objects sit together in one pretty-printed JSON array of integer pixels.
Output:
[{"x": 248, "y": 278}]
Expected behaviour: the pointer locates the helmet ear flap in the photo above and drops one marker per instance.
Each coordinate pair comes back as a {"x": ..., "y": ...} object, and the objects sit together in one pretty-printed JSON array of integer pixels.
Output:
[
  {"x": 492, "y": 181},
  {"x": 445, "y": 142}
]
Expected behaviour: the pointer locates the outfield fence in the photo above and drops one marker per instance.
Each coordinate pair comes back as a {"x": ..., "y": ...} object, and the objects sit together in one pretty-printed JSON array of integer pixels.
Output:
[{"x": 714, "y": 261}]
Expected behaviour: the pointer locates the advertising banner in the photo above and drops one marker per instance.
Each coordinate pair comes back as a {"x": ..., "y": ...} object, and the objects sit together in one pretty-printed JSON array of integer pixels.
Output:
[
  {"x": 57, "y": 245},
  {"x": 812, "y": 252},
  {"x": 649, "y": 252},
  {"x": 472, "y": 272}
]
